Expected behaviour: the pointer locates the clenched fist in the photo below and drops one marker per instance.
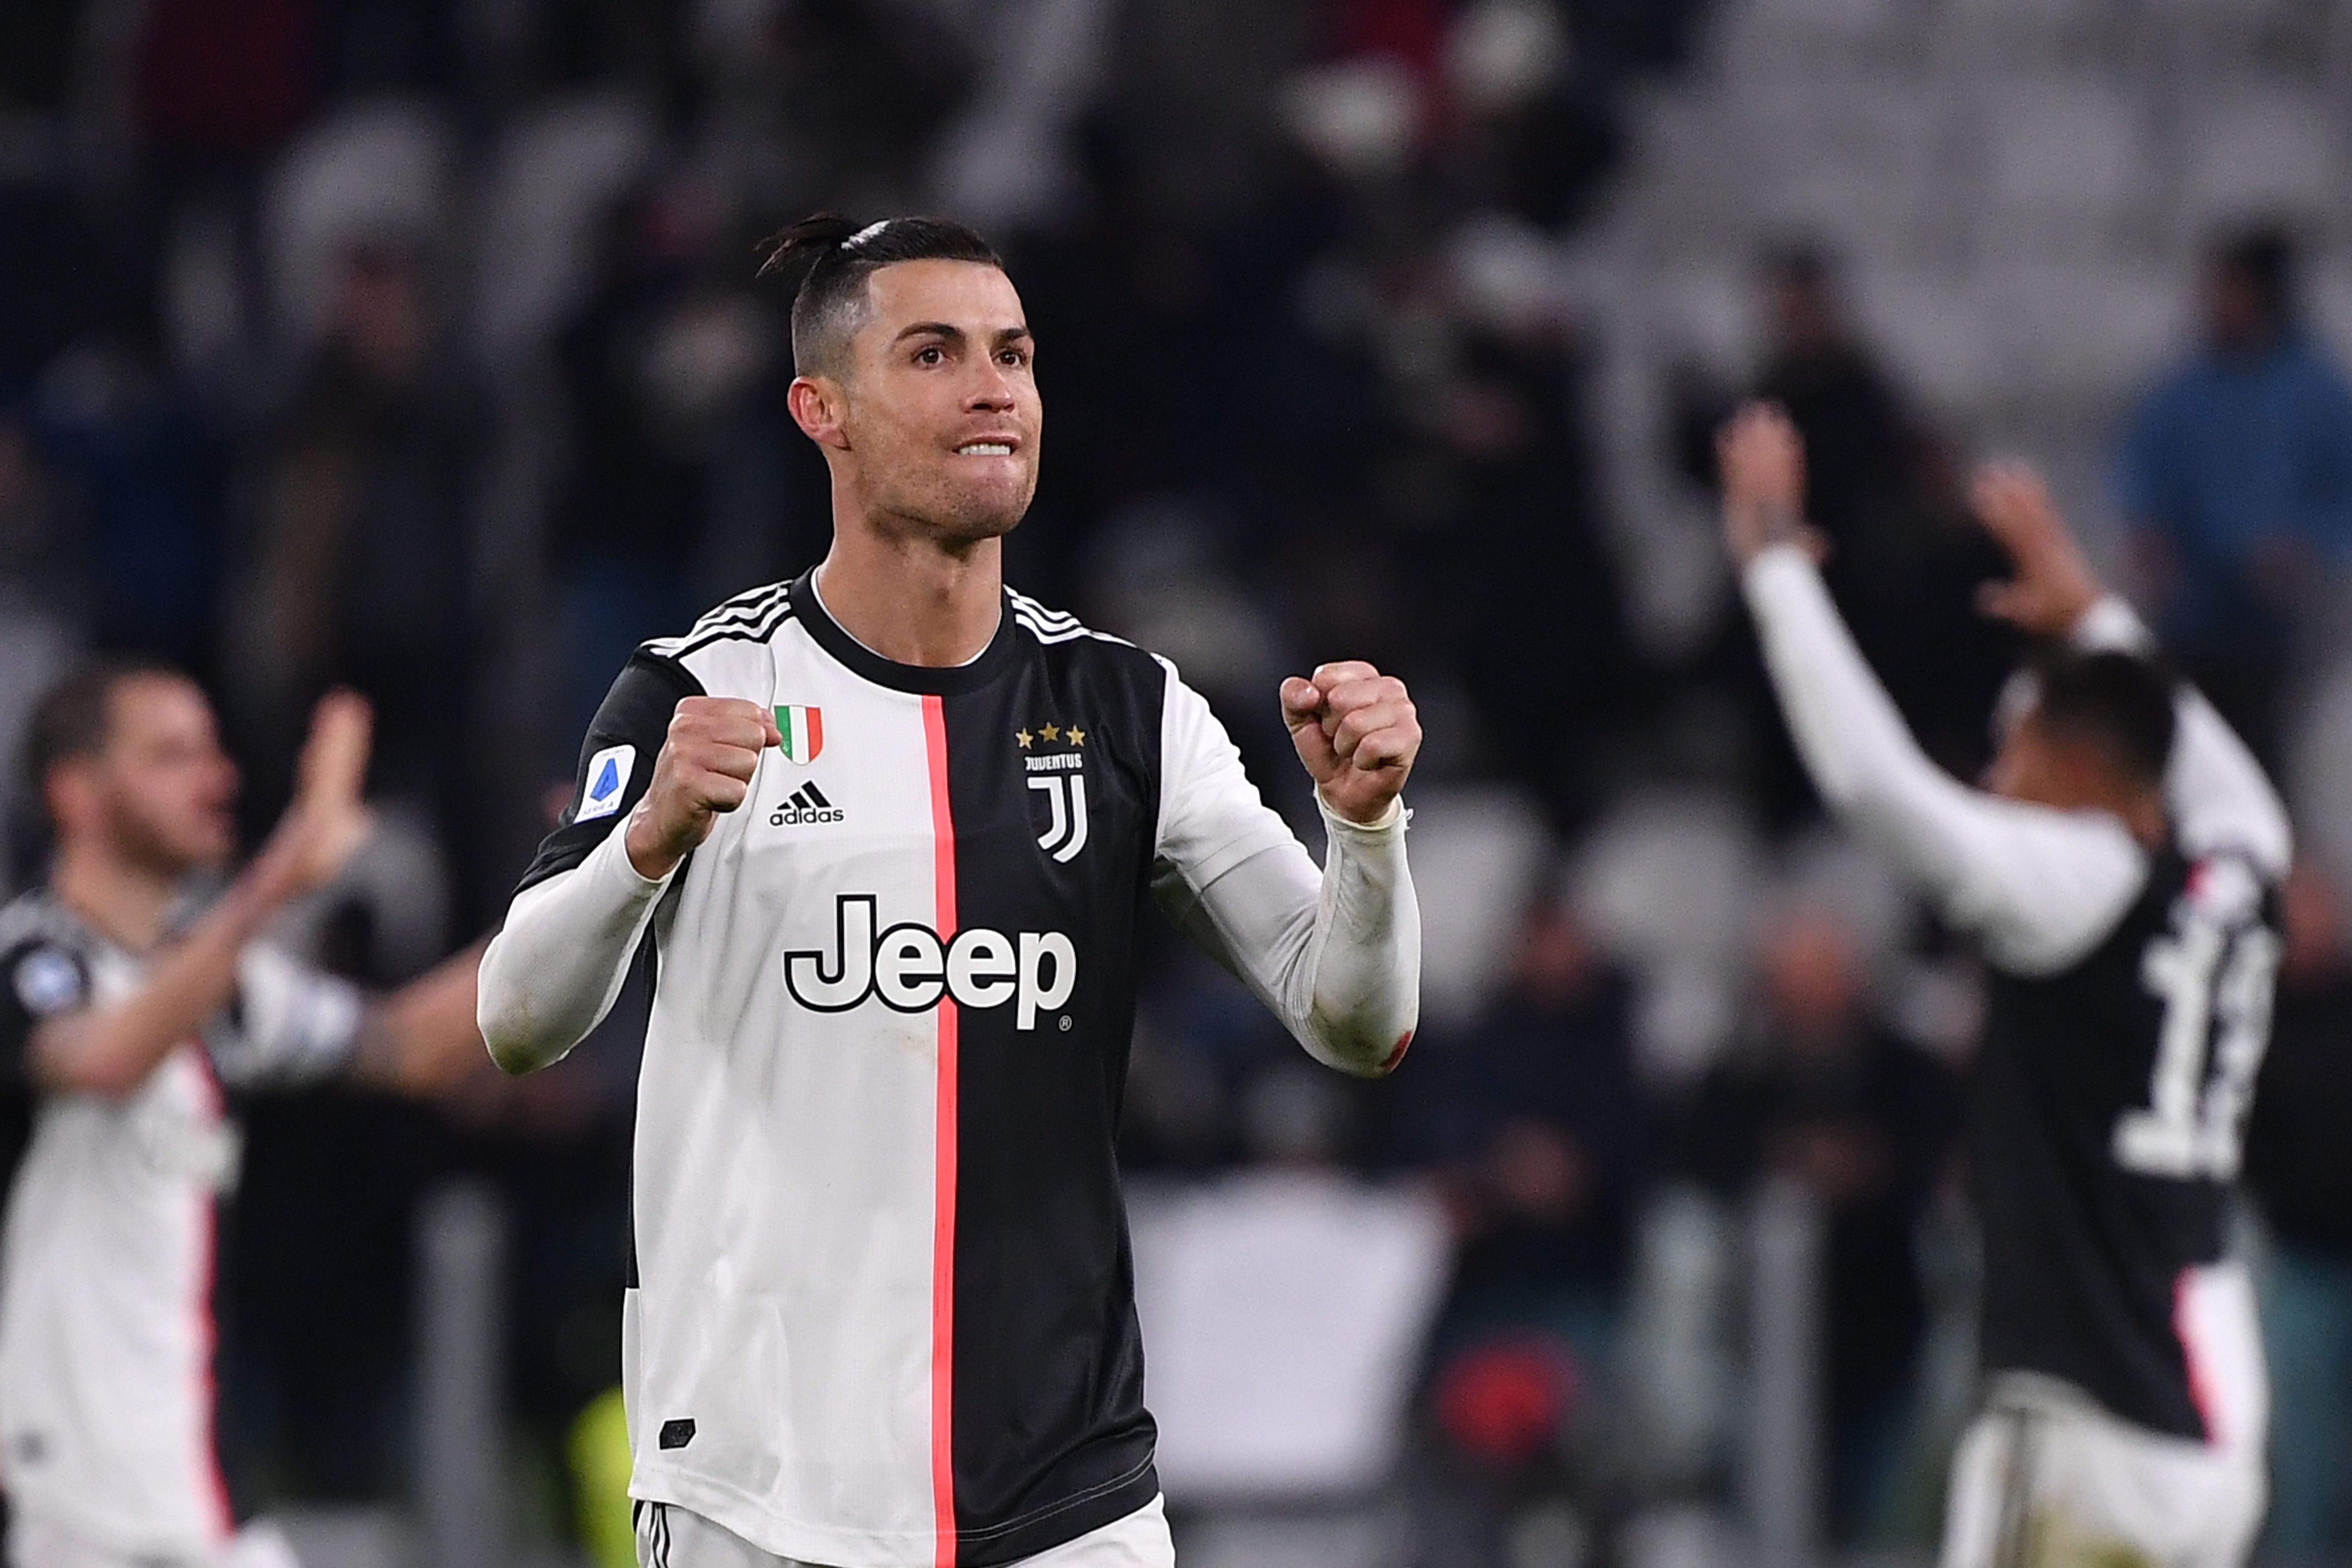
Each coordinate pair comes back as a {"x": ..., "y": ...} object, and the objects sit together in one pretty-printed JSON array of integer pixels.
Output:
[
  {"x": 1358, "y": 733},
  {"x": 705, "y": 767}
]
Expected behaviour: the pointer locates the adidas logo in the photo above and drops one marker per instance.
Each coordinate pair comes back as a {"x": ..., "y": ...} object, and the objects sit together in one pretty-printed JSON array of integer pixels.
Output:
[{"x": 804, "y": 805}]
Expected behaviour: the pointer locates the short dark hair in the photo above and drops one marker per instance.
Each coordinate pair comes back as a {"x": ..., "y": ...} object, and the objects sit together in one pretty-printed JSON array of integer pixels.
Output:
[
  {"x": 834, "y": 258},
  {"x": 75, "y": 717},
  {"x": 1800, "y": 262},
  {"x": 2263, "y": 256},
  {"x": 2117, "y": 701}
]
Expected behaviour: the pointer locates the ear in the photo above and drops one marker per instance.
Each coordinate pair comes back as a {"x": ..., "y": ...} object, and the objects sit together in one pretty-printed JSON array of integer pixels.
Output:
[
  {"x": 820, "y": 407},
  {"x": 70, "y": 793}
]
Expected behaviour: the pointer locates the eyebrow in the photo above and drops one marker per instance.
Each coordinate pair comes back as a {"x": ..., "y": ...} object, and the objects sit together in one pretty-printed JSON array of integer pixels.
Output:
[{"x": 956, "y": 334}]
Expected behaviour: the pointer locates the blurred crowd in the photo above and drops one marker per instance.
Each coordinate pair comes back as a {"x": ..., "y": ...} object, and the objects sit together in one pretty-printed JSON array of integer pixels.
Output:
[{"x": 413, "y": 346}]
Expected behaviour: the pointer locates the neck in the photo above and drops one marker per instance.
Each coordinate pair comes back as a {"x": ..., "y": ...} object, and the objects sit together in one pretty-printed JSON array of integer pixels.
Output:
[
  {"x": 912, "y": 599},
  {"x": 124, "y": 902},
  {"x": 2141, "y": 811}
]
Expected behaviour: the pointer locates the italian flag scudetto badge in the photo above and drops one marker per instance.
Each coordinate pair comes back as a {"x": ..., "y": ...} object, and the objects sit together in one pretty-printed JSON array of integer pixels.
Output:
[{"x": 804, "y": 733}]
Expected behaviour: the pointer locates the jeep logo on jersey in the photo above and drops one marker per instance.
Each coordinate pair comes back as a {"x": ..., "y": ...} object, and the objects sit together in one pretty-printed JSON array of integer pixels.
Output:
[
  {"x": 802, "y": 733},
  {"x": 910, "y": 970}
]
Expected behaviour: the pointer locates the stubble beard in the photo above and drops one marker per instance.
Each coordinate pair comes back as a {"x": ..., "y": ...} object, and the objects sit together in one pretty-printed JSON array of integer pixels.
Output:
[
  {"x": 149, "y": 847},
  {"x": 955, "y": 521}
]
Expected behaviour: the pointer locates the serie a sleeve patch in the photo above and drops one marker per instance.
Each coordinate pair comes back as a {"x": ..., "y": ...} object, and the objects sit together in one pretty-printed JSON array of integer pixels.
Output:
[
  {"x": 607, "y": 782},
  {"x": 48, "y": 982}
]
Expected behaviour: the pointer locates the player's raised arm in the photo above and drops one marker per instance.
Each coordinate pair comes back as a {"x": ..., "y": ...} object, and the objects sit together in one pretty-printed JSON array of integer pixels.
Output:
[
  {"x": 2036, "y": 883},
  {"x": 422, "y": 1039},
  {"x": 109, "y": 1050},
  {"x": 664, "y": 760},
  {"x": 2218, "y": 797},
  {"x": 1335, "y": 954}
]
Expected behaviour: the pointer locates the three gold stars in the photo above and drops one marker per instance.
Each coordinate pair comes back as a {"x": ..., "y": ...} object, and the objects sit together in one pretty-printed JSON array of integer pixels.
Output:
[{"x": 1077, "y": 736}]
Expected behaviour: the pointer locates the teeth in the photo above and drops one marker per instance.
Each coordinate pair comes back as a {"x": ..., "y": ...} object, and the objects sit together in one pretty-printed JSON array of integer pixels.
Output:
[{"x": 986, "y": 449}]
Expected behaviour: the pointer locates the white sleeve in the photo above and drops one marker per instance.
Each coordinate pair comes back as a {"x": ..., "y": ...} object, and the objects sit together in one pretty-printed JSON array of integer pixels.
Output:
[
  {"x": 2218, "y": 796},
  {"x": 290, "y": 1022},
  {"x": 2037, "y": 886},
  {"x": 1336, "y": 955},
  {"x": 555, "y": 967}
]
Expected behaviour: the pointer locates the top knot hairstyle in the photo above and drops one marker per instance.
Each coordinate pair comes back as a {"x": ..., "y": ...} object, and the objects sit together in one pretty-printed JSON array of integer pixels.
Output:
[{"x": 831, "y": 258}]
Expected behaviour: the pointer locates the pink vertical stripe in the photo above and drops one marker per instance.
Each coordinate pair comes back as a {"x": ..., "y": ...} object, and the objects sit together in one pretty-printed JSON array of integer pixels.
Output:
[
  {"x": 943, "y": 1201},
  {"x": 224, "y": 1520},
  {"x": 2200, "y": 1377}
]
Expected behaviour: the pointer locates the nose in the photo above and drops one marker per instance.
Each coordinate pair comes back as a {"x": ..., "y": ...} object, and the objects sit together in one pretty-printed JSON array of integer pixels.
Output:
[{"x": 993, "y": 393}]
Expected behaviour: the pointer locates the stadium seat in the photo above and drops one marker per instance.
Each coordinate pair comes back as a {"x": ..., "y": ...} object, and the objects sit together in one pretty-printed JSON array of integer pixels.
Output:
[
  {"x": 2327, "y": 298},
  {"x": 2274, "y": 149},
  {"x": 1798, "y": 38},
  {"x": 1930, "y": 326},
  {"x": 1478, "y": 854},
  {"x": 2066, "y": 166},
  {"x": 1285, "y": 1313},
  {"x": 552, "y": 179},
  {"x": 1669, "y": 882},
  {"x": 2080, "y": 331},
  {"x": 377, "y": 171},
  {"x": 2005, "y": 35}
]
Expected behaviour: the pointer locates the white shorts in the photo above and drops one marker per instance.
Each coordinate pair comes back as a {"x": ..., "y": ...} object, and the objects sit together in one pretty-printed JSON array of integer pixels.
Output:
[
  {"x": 670, "y": 1537},
  {"x": 2045, "y": 1478},
  {"x": 37, "y": 1543}
]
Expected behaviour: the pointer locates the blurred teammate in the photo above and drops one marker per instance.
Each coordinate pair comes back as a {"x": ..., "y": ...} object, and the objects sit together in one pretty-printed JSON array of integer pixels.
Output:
[
  {"x": 892, "y": 826},
  {"x": 2119, "y": 879},
  {"x": 134, "y": 1013}
]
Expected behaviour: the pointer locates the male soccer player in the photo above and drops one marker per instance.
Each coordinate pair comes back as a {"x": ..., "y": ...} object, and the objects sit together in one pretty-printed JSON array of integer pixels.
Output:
[
  {"x": 2118, "y": 877},
  {"x": 133, "y": 1013},
  {"x": 890, "y": 825}
]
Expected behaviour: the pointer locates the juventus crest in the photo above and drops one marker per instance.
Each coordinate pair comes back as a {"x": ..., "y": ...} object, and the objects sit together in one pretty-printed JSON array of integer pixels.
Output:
[{"x": 1060, "y": 776}]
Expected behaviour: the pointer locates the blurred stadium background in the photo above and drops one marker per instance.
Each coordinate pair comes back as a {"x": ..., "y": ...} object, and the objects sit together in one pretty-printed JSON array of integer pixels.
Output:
[{"x": 413, "y": 343}]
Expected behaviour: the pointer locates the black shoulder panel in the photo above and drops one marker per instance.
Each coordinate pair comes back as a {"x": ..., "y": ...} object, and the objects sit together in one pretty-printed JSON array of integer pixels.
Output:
[{"x": 616, "y": 760}]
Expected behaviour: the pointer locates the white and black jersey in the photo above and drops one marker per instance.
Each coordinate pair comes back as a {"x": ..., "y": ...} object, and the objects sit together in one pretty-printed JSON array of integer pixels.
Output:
[
  {"x": 2111, "y": 1099},
  {"x": 2130, "y": 1008},
  {"x": 107, "y": 1270},
  {"x": 882, "y": 1309}
]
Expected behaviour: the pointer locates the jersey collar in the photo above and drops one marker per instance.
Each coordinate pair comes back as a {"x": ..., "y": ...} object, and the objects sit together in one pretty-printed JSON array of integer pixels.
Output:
[{"x": 867, "y": 665}]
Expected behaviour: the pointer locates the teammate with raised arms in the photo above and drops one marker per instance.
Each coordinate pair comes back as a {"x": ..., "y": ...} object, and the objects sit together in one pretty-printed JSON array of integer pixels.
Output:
[
  {"x": 139, "y": 1012},
  {"x": 891, "y": 827},
  {"x": 2118, "y": 876}
]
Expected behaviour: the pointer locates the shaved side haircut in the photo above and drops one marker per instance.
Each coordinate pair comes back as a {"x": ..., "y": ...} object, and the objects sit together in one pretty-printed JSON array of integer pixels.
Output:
[
  {"x": 2121, "y": 703},
  {"x": 833, "y": 258}
]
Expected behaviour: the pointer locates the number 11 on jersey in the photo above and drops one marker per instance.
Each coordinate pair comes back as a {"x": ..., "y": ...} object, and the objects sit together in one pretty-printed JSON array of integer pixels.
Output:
[{"x": 2216, "y": 986}]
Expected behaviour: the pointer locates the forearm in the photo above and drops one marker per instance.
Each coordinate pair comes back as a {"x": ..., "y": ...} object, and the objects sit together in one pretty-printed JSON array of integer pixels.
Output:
[
  {"x": 2036, "y": 885},
  {"x": 1363, "y": 992},
  {"x": 1336, "y": 957},
  {"x": 552, "y": 973},
  {"x": 423, "y": 1038},
  {"x": 1860, "y": 753},
  {"x": 111, "y": 1050}
]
